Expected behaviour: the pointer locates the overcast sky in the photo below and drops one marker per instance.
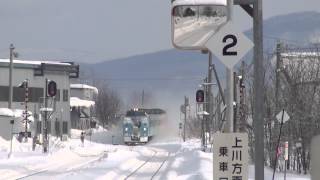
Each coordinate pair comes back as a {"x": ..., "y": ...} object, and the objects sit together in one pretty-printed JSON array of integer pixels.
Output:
[{"x": 96, "y": 30}]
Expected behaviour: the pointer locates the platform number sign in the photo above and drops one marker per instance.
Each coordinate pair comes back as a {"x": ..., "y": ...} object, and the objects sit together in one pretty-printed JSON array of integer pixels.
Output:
[
  {"x": 226, "y": 50},
  {"x": 229, "y": 45},
  {"x": 231, "y": 156}
]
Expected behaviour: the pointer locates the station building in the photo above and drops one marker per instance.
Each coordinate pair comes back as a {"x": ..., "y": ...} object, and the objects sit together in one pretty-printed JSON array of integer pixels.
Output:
[{"x": 36, "y": 72}]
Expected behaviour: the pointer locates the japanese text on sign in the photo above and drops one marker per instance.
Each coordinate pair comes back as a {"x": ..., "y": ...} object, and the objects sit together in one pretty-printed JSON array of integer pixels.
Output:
[{"x": 230, "y": 156}]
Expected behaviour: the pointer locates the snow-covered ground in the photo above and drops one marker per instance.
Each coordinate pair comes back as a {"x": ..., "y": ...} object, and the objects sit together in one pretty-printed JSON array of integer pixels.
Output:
[{"x": 163, "y": 158}]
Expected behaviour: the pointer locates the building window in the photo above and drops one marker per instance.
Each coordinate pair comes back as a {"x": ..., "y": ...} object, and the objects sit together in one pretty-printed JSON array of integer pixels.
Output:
[
  {"x": 35, "y": 94},
  {"x": 19, "y": 94},
  {"x": 65, "y": 95},
  {"x": 57, "y": 96}
]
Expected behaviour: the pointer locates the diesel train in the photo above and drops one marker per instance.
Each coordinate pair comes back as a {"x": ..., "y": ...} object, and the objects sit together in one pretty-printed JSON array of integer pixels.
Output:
[{"x": 140, "y": 125}]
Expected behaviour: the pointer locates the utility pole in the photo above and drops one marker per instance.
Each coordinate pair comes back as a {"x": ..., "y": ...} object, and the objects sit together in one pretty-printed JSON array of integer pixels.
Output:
[
  {"x": 229, "y": 83},
  {"x": 259, "y": 92},
  {"x": 186, "y": 103},
  {"x": 242, "y": 109},
  {"x": 278, "y": 69},
  {"x": 44, "y": 123},
  {"x": 235, "y": 99},
  {"x": 10, "y": 77},
  {"x": 142, "y": 98}
]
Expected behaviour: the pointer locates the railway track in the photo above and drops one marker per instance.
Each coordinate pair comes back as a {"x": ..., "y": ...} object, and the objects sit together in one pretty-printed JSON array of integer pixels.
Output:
[
  {"x": 150, "y": 167},
  {"x": 37, "y": 174}
]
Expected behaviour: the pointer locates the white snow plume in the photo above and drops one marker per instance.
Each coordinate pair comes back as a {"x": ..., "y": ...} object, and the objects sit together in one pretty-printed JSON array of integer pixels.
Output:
[
  {"x": 170, "y": 126},
  {"x": 315, "y": 37}
]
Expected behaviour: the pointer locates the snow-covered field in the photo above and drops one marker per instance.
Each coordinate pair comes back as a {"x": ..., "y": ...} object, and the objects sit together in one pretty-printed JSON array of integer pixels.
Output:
[{"x": 168, "y": 158}]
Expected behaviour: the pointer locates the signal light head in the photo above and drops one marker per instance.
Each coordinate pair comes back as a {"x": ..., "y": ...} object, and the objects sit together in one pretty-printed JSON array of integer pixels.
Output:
[
  {"x": 200, "y": 96},
  {"x": 52, "y": 88}
]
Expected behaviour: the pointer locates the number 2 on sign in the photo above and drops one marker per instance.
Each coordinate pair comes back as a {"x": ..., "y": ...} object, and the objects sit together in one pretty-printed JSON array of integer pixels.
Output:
[{"x": 225, "y": 50}]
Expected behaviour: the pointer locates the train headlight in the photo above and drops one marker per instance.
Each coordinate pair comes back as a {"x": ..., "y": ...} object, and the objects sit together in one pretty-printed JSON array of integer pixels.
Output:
[
  {"x": 126, "y": 129},
  {"x": 145, "y": 129}
]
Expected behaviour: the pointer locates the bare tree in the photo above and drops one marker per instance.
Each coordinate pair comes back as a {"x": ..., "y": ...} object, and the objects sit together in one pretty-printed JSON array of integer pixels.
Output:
[
  {"x": 108, "y": 105},
  {"x": 298, "y": 92}
]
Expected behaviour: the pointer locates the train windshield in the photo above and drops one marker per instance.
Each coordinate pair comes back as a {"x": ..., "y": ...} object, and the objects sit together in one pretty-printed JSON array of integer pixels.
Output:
[{"x": 135, "y": 113}]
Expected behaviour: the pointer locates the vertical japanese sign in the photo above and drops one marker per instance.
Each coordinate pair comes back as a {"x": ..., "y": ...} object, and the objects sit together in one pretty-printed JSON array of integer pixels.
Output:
[
  {"x": 230, "y": 156},
  {"x": 286, "y": 151}
]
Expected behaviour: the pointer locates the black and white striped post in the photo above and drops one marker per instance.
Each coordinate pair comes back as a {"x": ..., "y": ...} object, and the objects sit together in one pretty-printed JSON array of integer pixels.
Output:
[{"x": 26, "y": 115}]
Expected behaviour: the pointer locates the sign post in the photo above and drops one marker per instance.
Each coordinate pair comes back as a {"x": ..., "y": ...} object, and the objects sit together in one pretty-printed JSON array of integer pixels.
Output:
[
  {"x": 286, "y": 157},
  {"x": 229, "y": 45},
  {"x": 11, "y": 134},
  {"x": 254, "y": 9},
  {"x": 282, "y": 117},
  {"x": 230, "y": 156}
]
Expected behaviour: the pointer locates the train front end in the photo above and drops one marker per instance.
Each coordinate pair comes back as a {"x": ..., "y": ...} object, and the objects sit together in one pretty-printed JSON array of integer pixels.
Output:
[{"x": 135, "y": 128}]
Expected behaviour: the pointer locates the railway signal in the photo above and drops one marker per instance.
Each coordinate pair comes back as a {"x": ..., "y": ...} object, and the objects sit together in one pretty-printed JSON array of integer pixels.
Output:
[
  {"x": 200, "y": 96},
  {"x": 52, "y": 88}
]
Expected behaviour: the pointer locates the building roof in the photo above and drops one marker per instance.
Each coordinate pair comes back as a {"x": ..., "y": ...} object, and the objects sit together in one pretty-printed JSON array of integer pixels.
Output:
[
  {"x": 84, "y": 86},
  {"x": 35, "y": 62},
  {"x": 199, "y": 2},
  {"x": 40, "y": 66}
]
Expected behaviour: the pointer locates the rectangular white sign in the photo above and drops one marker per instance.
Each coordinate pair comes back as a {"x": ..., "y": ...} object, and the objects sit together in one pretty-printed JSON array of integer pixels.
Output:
[{"x": 230, "y": 156}]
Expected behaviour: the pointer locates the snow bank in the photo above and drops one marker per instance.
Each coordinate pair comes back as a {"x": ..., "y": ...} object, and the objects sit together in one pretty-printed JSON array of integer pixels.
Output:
[
  {"x": 15, "y": 113},
  {"x": 6, "y": 112}
]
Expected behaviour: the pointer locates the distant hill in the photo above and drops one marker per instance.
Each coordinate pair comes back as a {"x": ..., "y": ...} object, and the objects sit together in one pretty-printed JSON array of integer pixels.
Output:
[{"x": 180, "y": 72}]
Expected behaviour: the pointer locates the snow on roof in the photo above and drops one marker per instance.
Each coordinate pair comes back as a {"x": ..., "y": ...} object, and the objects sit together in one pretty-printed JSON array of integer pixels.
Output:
[
  {"x": 17, "y": 61},
  {"x": 18, "y": 113},
  {"x": 199, "y": 2},
  {"x": 301, "y": 54},
  {"x": 84, "y": 86},
  {"x": 77, "y": 102}
]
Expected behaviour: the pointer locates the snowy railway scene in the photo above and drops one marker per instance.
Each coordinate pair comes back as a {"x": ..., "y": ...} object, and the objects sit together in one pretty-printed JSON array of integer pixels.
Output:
[{"x": 164, "y": 90}]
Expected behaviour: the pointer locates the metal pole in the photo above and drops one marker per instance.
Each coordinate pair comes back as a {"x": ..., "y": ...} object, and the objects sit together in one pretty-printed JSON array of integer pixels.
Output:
[
  {"x": 235, "y": 99},
  {"x": 278, "y": 144},
  {"x": 278, "y": 53},
  {"x": 205, "y": 117},
  {"x": 259, "y": 91},
  {"x": 45, "y": 128},
  {"x": 242, "y": 120},
  {"x": 11, "y": 122},
  {"x": 219, "y": 85},
  {"x": 210, "y": 108},
  {"x": 229, "y": 84},
  {"x": 185, "y": 119},
  {"x": 10, "y": 77},
  {"x": 142, "y": 98},
  {"x": 285, "y": 169}
]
